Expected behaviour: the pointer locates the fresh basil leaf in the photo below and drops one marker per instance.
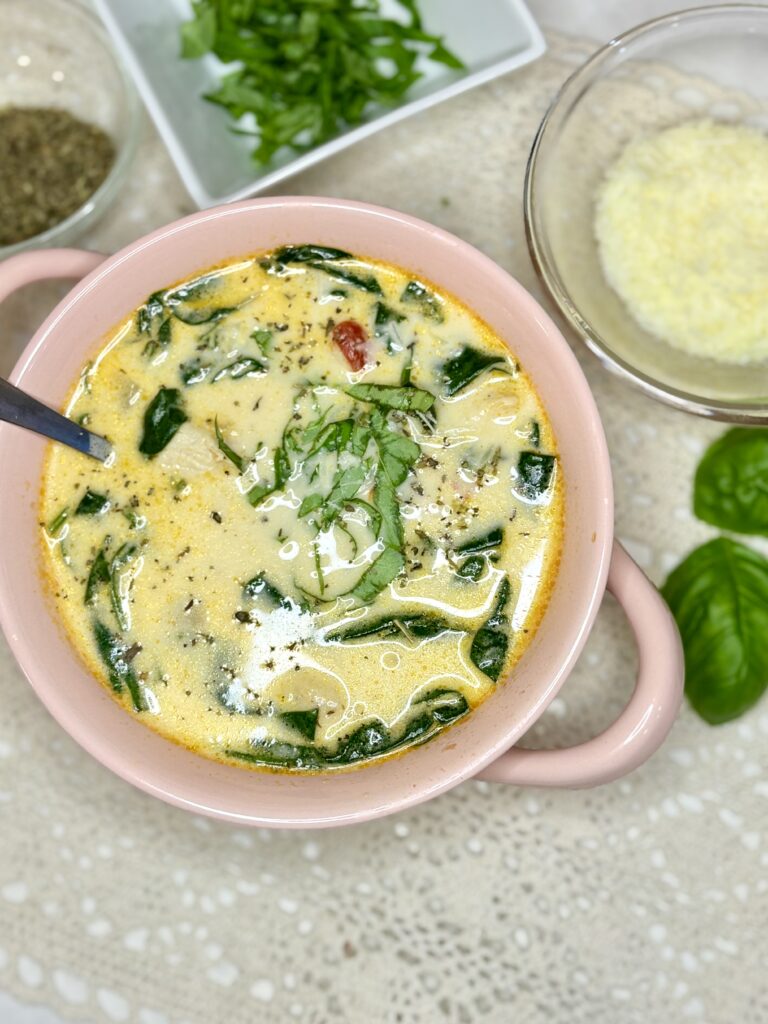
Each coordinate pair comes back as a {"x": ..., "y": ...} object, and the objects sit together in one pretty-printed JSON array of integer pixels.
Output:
[
  {"x": 428, "y": 303},
  {"x": 731, "y": 485},
  {"x": 113, "y": 650},
  {"x": 404, "y": 399},
  {"x": 345, "y": 487},
  {"x": 463, "y": 368},
  {"x": 534, "y": 474},
  {"x": 199, "y": 34},
  {"x": 308, "y": 70},
  {"x": 719, "y": 598},
  {"x": 92, "y": 504},
  {"x": 162, "y": 419},
  {"x": 309, "y": 504},
  {"x": 304, "y": 722},
  {"x": 378, "y": 575},
  {"x": 282, "y": 470}
]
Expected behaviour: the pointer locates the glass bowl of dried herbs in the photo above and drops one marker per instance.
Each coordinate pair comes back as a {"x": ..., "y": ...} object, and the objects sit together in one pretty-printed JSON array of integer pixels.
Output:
[{"x": 69, "y": 123}]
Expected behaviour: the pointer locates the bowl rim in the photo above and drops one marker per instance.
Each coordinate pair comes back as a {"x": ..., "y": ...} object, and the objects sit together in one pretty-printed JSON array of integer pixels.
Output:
[
  {"x": 748, "y": 412},
  {"x": 382, "y": 790},
  {"x": 126, "y": 143}
]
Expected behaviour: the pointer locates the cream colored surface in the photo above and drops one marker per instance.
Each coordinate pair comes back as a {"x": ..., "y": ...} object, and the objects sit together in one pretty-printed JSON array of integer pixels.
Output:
[
  {"x": 639, "y": 903},
  {"x": 205, "y": 678}
]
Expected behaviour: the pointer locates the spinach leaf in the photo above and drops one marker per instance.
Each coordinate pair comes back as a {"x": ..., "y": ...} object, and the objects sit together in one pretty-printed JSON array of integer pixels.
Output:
[
  {"x": 243, "y": 366},
  {"x": 162, "y": 340},
  {"x": 534, "y": 474},
  {"x": 124, "y": 554},
  {"x": 366, "y": 284},
  {"x": 448, "y": 705},
  {"x": 463, "y": 368},
  {"x": 162, "y": 419},
  {"x": 719, "y": 598},
  {"x": 472, "y": 568},
  {"x": 385, "y": 322},
  {"x": 193, "y": 371},
  {"x": 99, "y": 573},
  {"x": 259, "y": 586},
  {"x": 92, "y": 504},
  {"x": 404, "y": 399},
  {"x": 491, "y": 642},
  {"x": 534, "y": 434},
  {"x": 428, "y": 303},
  {"x": 276, "y": 754},
  {"x": 378, "y": 575},
  {"x": 304, "y": 722},
  {"x": 486, "y": 542},
  {"x": 478, "y": 548},
  {"x": 113, "y": 652},
  {"x": 366, "y": 741},
  {"x": 237, "y": 460},
  {"x": 149, "y": 312},
  {"x": 731, "y": 484},
  {"x": 191, "y": 302},
  {"x": 417, "y": 625},
  {"x": 310, "y": 254},
  {"x": 370, "y": 739}
]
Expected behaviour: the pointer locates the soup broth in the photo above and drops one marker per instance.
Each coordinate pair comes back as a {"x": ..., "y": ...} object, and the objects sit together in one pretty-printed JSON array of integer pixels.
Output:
[{"x": 331, "y": 522}]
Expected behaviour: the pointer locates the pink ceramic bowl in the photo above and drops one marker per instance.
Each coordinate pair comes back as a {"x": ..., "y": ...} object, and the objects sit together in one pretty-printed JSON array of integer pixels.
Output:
[{"x": 476, "y": 747}]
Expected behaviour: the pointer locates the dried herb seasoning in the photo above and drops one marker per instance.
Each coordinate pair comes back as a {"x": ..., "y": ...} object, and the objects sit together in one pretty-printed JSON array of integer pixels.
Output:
[{"x": 51, "y": 162}]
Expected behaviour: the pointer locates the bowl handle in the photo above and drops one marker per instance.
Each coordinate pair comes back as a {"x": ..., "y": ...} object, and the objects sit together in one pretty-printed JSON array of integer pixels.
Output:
[
  {"x": 643, "y": 724},
  {"x": 39, "y": 264}
]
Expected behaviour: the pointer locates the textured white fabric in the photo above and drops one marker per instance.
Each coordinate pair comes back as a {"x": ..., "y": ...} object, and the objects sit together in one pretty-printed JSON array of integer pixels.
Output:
[{"x": 640, "y": 903}]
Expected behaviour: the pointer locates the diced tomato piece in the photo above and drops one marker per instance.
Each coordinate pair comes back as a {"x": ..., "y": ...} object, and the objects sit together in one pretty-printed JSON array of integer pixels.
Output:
[{"x": 351, "y": 338}]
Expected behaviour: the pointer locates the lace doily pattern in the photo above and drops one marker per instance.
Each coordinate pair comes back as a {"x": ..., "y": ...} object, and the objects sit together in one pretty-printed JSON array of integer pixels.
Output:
[{"x": 639, "y": 902}]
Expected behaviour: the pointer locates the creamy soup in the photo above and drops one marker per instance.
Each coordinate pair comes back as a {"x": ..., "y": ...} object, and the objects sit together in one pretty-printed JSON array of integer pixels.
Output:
[{"x": 331, "y": 522}]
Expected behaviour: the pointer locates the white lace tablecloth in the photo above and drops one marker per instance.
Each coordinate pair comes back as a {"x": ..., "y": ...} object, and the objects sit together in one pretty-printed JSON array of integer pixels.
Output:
[{"x": 639, "y": 903}]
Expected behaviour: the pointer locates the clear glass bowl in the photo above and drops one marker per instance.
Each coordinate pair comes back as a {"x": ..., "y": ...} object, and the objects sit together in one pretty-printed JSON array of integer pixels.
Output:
[
  {"x": 705, "y": 62},
  {"x": 55, "y": 54}
]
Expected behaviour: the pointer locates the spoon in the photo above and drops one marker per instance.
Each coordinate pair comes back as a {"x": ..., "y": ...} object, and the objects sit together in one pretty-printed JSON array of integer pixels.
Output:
[{"x": 17, "y": 407}]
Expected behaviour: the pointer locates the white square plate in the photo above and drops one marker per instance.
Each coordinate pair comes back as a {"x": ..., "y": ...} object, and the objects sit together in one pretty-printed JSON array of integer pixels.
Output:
[{"x": 491, "y": 37}]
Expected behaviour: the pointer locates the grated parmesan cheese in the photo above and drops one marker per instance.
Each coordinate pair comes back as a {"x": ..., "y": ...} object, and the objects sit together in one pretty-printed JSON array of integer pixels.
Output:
[{"x": 682, "y": 229}]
